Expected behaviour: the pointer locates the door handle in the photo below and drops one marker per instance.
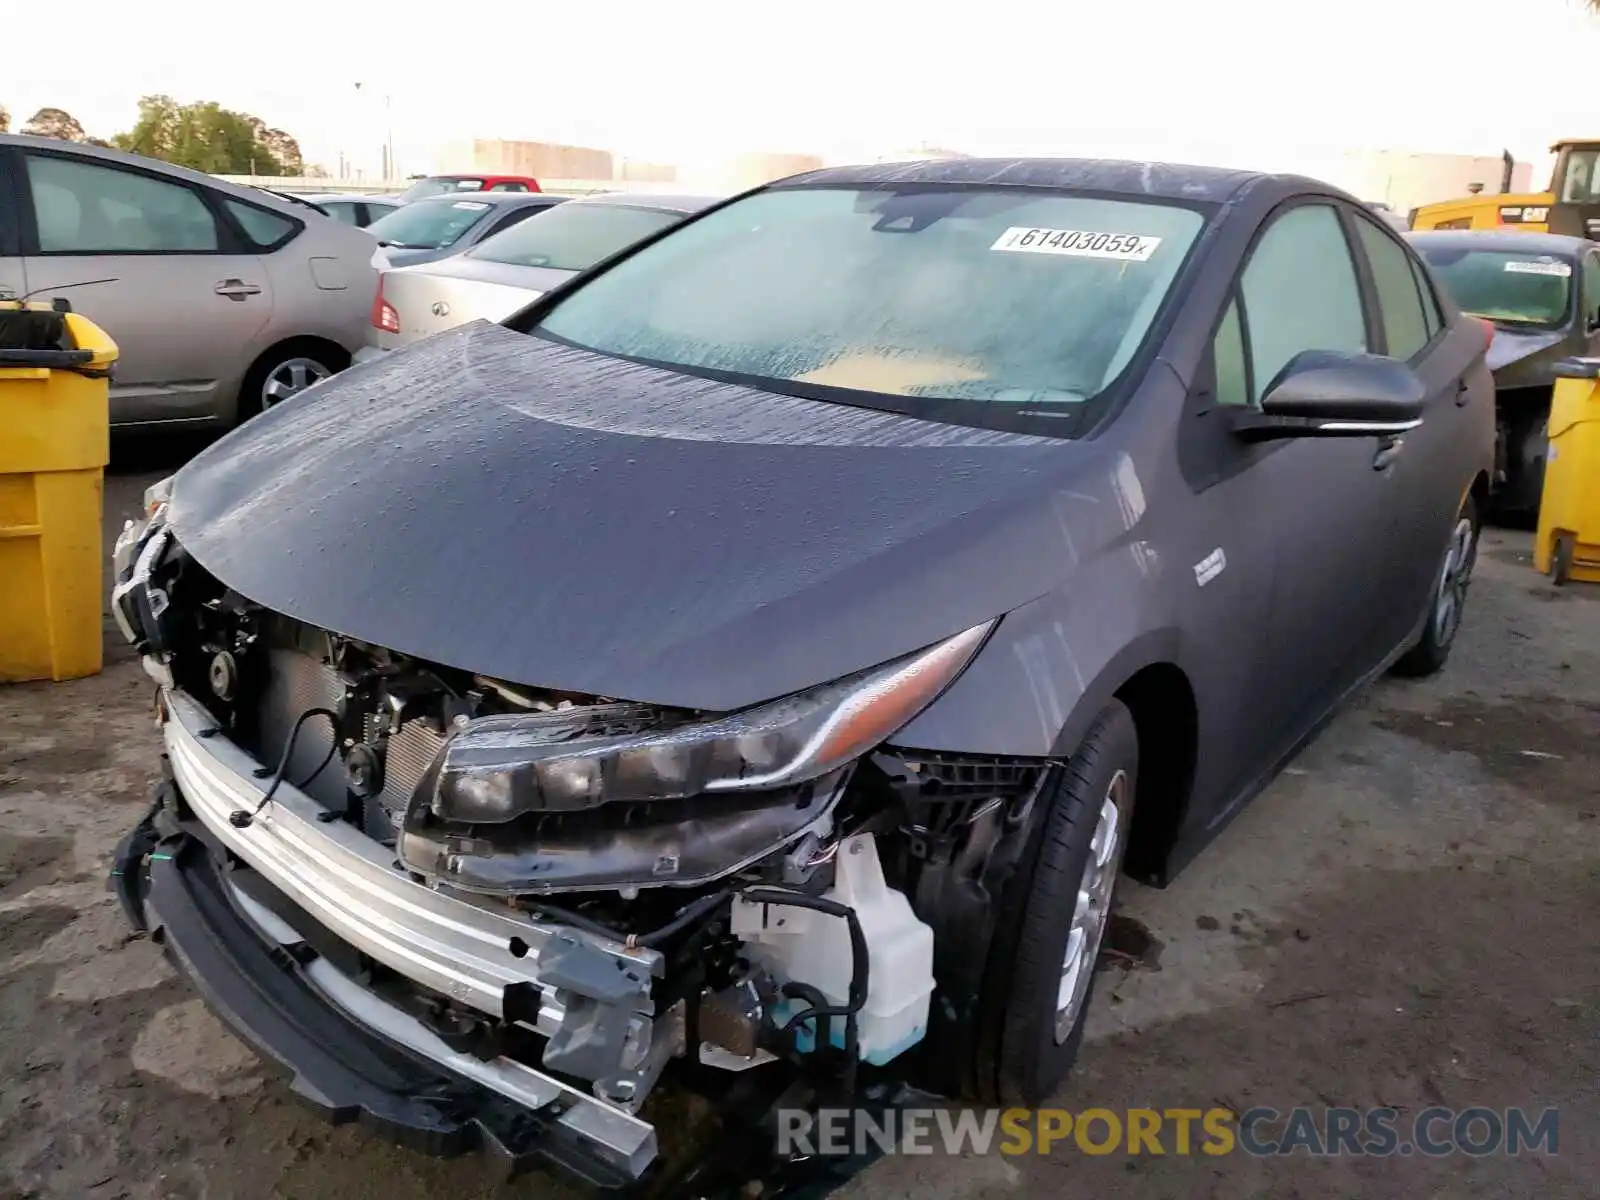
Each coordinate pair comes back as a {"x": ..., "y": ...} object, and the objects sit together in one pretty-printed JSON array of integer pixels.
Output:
[
  {"x": 236, "y": 289},
  {"x": 1388, "y": 450},
  {"x": 1463, "y": 393}
]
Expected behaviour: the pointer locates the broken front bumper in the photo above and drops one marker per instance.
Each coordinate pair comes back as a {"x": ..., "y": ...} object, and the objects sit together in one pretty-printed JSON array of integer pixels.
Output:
[{"x": 262, "y": 941}]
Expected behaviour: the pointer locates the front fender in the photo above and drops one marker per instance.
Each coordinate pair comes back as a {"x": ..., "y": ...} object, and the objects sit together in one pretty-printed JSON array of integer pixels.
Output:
[{"x": 1049, "y": 668}]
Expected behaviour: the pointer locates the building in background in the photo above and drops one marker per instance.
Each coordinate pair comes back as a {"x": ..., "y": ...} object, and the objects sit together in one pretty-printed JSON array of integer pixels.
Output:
[
  {"x": 921, "y": 153},
  {"x": 633, "y": 170},
  {"x": 739, "y": 171},
  {"x": 542, "y": 160}
]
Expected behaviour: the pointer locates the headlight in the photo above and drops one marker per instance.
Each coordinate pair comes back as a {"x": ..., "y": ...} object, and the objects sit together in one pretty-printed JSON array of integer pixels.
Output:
[
  {"x": 500, "y": 767},
  {"x": 156, "y": 498},
  {"x": 126, "y": 548}
]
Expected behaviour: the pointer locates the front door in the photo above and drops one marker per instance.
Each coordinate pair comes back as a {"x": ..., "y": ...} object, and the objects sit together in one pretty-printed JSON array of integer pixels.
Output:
[
  {"x": 1289, "y": 548},
  {"x": 1331, "y": 501},
  {"x": 143, "y": 256}
]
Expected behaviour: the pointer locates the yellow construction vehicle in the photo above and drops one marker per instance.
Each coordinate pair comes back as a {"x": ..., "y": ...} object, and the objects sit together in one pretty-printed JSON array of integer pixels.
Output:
[{"x": 1571, "y": 206}]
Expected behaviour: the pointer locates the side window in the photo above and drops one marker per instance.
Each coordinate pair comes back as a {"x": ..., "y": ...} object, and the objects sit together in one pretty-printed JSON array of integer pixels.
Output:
[
  {"x": 1430, "y": 301},
  {"x": 268, "y": 230},
  {"x": 510, "y": 219},
  {"x": 1591, "y": 288},
  {"x": 1404, "y": 325},
  {"x": 509, "y": 186},
  {"x": 1227, "y": 352},
  {"x": 82, "y": 207},
  {"x": 343, "y": 211},
  {"x": 1300, "y": 293}
]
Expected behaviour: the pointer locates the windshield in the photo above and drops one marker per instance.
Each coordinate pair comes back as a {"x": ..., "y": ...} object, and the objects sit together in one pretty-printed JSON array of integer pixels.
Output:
[
  {"x": 989, "y": 297},
  {"x": 1507, "y": 288},
  {"x": 439, "y": 185},
  {"x": 574, "y": 236},
  {"x": 1582, "y": 183},
  {"x": 428, "y": 226}
]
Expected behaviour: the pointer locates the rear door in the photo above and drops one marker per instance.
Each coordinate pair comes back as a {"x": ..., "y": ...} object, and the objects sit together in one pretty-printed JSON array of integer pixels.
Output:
[
  {"x": 147, "y": 257},
  {"x": 1433, "y": 465}
]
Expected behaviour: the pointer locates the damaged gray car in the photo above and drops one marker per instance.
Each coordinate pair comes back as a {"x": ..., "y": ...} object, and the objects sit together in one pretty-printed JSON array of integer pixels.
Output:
[{"x": 737, "y": 681}]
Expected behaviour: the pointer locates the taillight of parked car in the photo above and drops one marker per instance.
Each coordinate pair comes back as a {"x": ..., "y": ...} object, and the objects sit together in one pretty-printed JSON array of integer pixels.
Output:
[{"x": 384, "y": 316}]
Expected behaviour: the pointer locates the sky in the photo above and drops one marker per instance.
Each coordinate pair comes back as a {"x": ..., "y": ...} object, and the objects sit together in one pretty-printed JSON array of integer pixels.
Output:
[{"x": 1250, "y": 83}]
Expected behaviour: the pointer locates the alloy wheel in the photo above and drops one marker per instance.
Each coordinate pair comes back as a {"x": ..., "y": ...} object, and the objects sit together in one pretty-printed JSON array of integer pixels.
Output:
[
  {"x": 1454, "y": 578},
  {"x": 1092, "y": 910},
  {"x": 290, "y": 377}
]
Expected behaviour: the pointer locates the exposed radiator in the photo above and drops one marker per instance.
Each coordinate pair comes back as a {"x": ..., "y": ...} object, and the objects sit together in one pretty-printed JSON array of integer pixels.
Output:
[
  {"x": 296, "y": 682},
  {"x": 409, "y": 754}
]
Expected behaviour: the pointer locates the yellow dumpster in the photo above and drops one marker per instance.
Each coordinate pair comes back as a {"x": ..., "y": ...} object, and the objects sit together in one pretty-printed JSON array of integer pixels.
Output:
[
  {"x": 54, "y": 443},
  {"x": 1568, "y": 545}
]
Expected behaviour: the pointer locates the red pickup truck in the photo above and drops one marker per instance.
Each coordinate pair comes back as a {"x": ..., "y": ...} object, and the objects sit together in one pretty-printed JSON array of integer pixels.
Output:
[{"x": 439, "y": 185}]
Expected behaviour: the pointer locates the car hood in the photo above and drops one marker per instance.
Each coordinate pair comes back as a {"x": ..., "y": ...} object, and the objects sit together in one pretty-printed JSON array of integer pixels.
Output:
[
  {"x": 482, "y": 270},
  {"x": 553, "y": 517},
  {"x": 1513, "y": 345}
]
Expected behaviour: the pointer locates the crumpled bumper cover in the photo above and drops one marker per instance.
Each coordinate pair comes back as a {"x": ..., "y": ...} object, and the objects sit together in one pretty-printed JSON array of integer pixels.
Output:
[{"x": 340, "y": 1067}]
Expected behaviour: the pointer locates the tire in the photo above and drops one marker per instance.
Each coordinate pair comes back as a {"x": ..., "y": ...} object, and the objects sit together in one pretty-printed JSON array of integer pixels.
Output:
[
  {"x": 282, "y": 372},
  {"x": 1026, "y": 1046},
  {"x": 1448, "y": 599}
]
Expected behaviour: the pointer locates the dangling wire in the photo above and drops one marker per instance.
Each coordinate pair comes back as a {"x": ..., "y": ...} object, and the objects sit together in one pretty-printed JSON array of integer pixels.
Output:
[{"x": 240, "y": 818}]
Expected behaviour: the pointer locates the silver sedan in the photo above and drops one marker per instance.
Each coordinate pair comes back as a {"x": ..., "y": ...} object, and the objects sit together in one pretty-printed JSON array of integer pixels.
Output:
[
  {"x": 222, "y": 299},
  {"x": 505, "y": 272}
]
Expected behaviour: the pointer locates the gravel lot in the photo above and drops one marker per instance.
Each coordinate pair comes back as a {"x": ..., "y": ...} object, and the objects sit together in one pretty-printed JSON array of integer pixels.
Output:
[{"x": 1410, "y": 916}]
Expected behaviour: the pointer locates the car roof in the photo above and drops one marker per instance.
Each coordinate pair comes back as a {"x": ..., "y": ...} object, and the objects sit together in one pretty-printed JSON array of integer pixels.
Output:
[
  {"x": 260, "y": 197},
  {"x": 500, "y": 199},
  {"x": 1170, "y": 181},
  {"x": 662, "y": 201},
  {"x": 1508, "y": 241},
  {"x": 347, "y": 198}
]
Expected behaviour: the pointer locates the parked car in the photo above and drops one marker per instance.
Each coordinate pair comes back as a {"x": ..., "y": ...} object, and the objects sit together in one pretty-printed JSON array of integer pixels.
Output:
[
  {"x": 293, "y": 198},
  {"x": 761, "y": 654},
  {"x": 223, "y": 300},
  {"x": 1541, "y": 292},
  {"x": 1387, "y": 212},
  {"x": 448, "y": 185},
  {"x": 426, "y": 230},
  {"x": 510, "y": 269},
  {"x": 353, "y": 209}
]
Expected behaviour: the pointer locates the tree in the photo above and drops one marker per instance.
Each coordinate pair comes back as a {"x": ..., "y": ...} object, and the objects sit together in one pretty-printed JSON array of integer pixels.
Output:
[
  {"x": 285, "y": 149},
  {"x": 5, "y": 120},
  {"x": 206, "y": 137},
  {"x": 54, "y": 123}
]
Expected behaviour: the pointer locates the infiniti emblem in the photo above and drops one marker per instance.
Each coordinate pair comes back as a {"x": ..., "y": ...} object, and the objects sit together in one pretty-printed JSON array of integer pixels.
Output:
[{"x": 441, "y": 309}]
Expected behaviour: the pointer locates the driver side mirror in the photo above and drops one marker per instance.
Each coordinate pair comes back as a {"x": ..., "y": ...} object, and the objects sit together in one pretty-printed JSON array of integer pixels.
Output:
[{"x": 1330, "y": 393}]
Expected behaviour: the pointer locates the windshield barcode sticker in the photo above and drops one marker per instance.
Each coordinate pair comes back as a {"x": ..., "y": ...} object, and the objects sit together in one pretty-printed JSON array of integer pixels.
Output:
[
  {"x": 1559, "y": 269},
  {"x": 1078, "y": 243}
]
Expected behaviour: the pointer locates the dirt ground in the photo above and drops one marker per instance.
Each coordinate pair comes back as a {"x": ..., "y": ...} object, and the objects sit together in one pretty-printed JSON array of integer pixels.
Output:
[{"x": 1410, "y": 916}]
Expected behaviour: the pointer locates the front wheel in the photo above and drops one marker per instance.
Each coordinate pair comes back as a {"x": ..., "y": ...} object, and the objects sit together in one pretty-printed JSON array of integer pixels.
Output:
[
  {"x": 1041, "y": 968},
  {"x": 1448, "y": 599}
]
